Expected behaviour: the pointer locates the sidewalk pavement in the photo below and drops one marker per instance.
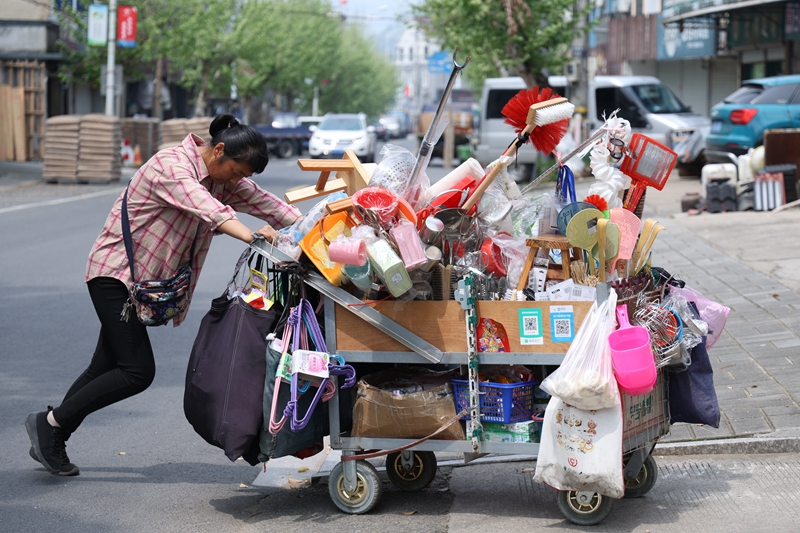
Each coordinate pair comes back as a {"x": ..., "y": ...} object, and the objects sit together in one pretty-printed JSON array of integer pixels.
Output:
[{"x": 748, "y": 261}]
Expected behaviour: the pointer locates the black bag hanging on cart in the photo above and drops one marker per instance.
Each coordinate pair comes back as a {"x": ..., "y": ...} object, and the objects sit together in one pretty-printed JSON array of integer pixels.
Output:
[
  {"x": 225, "y": 377},
  {"x": 692, "y": 398}
]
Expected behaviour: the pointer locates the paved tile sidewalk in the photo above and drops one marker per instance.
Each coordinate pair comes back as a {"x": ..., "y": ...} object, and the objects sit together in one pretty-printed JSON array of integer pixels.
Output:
[{"x": 756, "y": 361}]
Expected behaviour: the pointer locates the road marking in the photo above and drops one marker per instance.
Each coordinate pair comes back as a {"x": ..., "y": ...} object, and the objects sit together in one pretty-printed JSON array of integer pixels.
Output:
[{"x": 57, "y": 201}]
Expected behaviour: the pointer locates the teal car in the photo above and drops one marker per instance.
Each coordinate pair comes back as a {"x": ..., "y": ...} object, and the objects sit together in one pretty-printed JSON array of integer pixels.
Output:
[{"x": 738, "y": 122}]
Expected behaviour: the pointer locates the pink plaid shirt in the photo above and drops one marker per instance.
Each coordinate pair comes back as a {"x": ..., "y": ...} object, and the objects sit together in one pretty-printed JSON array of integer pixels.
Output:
[{"x": 170, "y": 199}]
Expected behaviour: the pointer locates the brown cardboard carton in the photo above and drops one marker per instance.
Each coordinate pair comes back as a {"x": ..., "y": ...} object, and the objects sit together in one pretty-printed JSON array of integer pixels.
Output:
[{"x": 382, "y": 413}]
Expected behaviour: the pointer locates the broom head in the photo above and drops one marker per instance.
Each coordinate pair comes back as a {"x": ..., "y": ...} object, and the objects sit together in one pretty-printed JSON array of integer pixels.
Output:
[{"x": 551, "y": 121}]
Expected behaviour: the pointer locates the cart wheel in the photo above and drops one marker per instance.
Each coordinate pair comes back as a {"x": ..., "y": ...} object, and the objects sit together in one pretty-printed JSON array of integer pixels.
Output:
[
  {"x": 418, "y": 477},
  {"x": 584, "y": 513},
  {"x": 366, "y": 495},
  {"x": 644, "y": 480}
]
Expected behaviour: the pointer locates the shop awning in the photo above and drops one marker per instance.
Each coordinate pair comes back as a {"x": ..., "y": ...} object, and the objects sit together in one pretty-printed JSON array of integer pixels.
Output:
[{"x": 701, "y": 8}]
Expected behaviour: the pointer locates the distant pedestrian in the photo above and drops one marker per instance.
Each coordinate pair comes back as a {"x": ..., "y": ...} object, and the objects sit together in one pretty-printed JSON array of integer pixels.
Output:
[{"x": 176, "y": 202}]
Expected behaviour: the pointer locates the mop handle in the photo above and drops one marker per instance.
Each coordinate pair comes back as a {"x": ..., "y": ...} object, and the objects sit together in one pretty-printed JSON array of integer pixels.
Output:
[
  {"x": 427, "y": 144},
  {"x": 496, "y": 169}
]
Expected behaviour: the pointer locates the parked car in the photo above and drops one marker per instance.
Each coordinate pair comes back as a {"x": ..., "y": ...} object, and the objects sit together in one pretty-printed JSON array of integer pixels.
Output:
[
  {"x": 381, "y": 133},
  {"x": 738, "y": 122},
  {"x": 393, "y": 126},
  {"x": 339, "y": 132}
]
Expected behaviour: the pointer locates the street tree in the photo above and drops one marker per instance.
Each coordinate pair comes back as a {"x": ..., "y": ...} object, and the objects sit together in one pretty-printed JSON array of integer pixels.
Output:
[{"x": 527, "y": 38}]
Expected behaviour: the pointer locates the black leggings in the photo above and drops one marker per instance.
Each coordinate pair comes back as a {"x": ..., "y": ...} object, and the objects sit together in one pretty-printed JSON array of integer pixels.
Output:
[{"x": 123, "y": 364}]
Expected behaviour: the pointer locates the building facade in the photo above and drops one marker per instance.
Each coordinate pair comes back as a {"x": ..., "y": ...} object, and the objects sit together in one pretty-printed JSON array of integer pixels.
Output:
[{"x": 701, "y": 49}]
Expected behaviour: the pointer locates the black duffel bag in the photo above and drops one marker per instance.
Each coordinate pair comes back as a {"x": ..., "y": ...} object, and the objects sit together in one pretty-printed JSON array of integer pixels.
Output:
[{"x": 225, "y": 378}]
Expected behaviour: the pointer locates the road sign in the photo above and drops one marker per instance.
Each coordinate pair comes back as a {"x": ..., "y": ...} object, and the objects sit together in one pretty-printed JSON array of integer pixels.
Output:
[{"x": 440, "y": 63}]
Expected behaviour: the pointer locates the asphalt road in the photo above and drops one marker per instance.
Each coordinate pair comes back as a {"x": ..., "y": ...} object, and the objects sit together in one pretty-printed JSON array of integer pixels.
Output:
[{"x": 145, "y": 470}]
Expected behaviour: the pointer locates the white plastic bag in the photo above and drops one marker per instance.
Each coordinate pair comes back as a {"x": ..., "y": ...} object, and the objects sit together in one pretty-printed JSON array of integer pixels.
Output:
[
  {"x": 581, "y": 450},
  {"x": 585, "y": 378}
]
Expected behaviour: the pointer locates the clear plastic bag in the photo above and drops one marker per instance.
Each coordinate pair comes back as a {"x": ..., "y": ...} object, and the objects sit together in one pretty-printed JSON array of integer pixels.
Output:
[
  {"x": 712, "y": 313},
  {"x": 585, "y": 378}
]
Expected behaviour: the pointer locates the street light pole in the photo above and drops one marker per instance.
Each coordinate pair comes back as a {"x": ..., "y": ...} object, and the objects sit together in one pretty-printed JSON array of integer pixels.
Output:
[{"x": 112, "y": 52}]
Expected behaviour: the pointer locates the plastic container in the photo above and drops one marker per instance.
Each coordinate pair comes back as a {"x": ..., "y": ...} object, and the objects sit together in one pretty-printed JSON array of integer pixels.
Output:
[
  {"x": 538, "y": 417},
  {"x": 632, "y": 356},
  {"x": 360, "y": 276},
  {"x": 389, "y": 267},
  {"x": 499, "y": 402}
]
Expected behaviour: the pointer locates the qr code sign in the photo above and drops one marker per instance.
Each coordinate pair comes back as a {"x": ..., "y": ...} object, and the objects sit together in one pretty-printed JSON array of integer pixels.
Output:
[
  {"x": 530, "y": 325},
  {"x": 563, "y": 327}
]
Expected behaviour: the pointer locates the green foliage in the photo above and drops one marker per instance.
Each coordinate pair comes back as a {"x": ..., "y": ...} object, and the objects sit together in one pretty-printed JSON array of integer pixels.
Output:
[
  {"x": 519, "y": 37},
  {"x": 265, "y": 47},
  {"x": 363, "y": 80}
]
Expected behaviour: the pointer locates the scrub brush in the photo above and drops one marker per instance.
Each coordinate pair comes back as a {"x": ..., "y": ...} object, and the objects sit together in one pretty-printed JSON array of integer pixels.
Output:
[
  {"x": 539, "y": 117},
  {"x": 542, "y": 117}
]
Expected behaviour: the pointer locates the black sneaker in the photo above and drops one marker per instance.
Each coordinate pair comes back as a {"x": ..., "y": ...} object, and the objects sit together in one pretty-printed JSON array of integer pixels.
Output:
[{"x": 48, "y": 445}]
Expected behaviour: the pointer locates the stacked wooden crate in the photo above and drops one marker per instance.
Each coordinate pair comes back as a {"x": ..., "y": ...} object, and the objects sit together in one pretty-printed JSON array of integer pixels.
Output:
[
  {"x": 100, "y": 140},
  {"x": 199, "y": 126},
  {"x": 61, "y": 148},
  {"x": 173, "y": 131}
]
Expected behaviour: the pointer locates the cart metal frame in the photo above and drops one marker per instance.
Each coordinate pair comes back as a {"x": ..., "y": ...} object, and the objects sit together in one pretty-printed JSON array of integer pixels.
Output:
[{"x": 646, "y": 417}]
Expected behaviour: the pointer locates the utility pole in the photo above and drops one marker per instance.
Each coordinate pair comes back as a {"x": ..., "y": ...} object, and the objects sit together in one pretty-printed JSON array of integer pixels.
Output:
[{"x": 111, "y": 62}]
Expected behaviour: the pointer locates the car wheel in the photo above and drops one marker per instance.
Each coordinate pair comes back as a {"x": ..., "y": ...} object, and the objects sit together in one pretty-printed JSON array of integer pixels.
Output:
[{"x": 285, "y": 148}]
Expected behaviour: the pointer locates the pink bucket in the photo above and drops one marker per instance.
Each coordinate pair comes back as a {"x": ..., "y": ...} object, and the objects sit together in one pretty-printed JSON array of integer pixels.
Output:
[{"x": 632, "y": 356}]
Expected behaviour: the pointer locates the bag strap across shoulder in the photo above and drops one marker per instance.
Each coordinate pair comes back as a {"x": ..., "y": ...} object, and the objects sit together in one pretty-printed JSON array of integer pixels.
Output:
[{"x": 126, "y": 235}]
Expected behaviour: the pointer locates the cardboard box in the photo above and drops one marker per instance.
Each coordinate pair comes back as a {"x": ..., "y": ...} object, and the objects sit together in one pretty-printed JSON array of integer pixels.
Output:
[
  {"x": 443, "y": 324},
  {"x": 379, "y": 412}
]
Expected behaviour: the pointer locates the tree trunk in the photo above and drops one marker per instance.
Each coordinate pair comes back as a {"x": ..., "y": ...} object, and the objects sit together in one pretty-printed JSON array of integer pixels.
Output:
[
  {"x": 157, "y": 90},
  {"x": 200, "y": 101}
]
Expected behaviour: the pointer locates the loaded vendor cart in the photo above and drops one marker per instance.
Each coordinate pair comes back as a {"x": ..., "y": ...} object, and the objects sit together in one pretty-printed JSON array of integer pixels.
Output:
[{"x": 470, "y": 316}]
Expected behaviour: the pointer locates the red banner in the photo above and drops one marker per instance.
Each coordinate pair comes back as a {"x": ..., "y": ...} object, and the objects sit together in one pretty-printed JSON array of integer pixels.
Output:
[{"x": 126, "y": 26}]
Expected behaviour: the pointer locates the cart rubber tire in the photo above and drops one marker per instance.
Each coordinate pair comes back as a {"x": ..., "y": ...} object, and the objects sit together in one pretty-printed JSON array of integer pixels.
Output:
[
  {"x": 421, "y": 474},
  {"x": 366, "y": 495},
  {"x": 644, "y": 481},
  {"x": 588, "y": 514},
  {"x": 285, "y": 148}
]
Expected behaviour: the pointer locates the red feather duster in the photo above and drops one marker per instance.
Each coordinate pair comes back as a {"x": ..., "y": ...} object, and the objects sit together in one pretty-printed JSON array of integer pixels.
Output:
[
  {"x": 544, "y": 138},
  {"x": 598, "y": 201}
]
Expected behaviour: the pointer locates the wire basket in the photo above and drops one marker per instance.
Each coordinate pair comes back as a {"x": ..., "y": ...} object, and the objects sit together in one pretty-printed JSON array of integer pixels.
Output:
[{"x": 499, "y": 402}]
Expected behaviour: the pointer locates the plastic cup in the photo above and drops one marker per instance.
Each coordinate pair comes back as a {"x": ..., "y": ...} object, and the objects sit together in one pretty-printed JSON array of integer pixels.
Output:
[
  {"x": 359, "y": 275},
  {"x": 348, "y": 251}
]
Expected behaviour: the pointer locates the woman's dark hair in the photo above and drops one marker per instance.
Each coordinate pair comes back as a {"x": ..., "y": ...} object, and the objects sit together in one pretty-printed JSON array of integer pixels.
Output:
[{"x": 243, "y": 143}]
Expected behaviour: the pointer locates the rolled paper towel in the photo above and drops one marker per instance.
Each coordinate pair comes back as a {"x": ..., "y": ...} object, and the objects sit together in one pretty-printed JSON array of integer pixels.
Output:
[{"x": 470, "y": 167}]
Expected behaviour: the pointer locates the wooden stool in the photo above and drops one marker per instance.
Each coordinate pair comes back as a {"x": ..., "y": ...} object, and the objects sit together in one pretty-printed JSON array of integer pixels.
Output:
[
  {"x": 350, "y": 177},
  {"x": 547, "y": 243}
]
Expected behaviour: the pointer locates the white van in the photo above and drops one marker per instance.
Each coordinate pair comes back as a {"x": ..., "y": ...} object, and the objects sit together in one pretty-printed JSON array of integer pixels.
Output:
[
  {"x": 650, "y": 107},
  {"x": 653, "y": 110}
]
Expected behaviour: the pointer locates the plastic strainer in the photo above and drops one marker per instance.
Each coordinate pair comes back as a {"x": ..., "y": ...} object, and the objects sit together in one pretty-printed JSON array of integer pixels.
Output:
[{"x": 394, "y": 171}]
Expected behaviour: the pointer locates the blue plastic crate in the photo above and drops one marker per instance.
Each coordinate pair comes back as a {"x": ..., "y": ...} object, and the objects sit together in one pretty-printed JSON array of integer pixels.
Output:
[{"x": 499, "y": 402}]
